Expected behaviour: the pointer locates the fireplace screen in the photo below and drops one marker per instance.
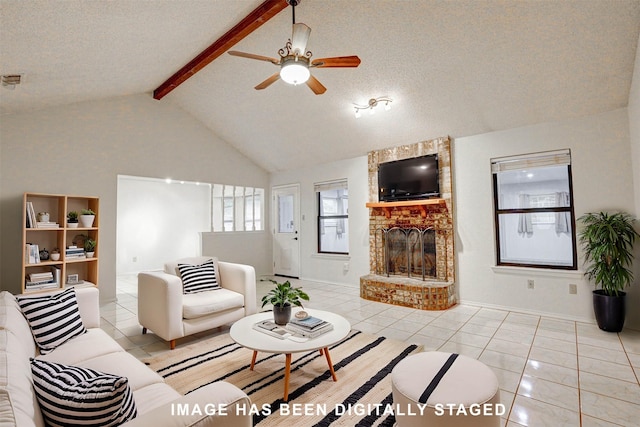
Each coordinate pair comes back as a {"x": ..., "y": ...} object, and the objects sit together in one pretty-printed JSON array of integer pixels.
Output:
[{"x": 409, "y": 252}]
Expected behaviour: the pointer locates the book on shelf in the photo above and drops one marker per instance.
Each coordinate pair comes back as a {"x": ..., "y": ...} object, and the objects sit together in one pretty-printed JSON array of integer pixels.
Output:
[
  {"x": 269, "y": 327},
  {"x": 31, "y": 216},
  {"x": 41, "y": 277},
  {"x": 73, "y": 252},
  {"x": 56, "y": 274},
  {"x": 47, "y": 224},
  {"x": 76, "y": 256},
  {"x": 31, "y": 254},
  {"x": 39, "y": 286}
]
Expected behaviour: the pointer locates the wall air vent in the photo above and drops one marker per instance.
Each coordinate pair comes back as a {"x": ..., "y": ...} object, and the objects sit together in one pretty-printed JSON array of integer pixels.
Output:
[{"x": 10, "y": 81}]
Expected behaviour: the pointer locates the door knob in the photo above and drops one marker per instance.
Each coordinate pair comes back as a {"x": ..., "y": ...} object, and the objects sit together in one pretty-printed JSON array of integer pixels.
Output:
[{"x": 295, "y": 238}]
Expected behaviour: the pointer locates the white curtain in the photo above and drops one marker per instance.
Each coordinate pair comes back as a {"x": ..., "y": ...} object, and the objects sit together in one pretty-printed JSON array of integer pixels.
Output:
[
  {"x": 525, "y": 225},
  {"x": 340, "y": 221},
  {"x": 563, "y": 219}
]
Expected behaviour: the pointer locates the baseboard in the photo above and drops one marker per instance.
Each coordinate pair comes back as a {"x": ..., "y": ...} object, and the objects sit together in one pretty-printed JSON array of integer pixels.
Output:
[{"x": 533, "y": 312}]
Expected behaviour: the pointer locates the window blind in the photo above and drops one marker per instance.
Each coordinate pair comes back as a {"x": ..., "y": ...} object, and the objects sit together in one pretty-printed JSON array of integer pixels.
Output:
[
  {"x": 530, "y": 161},
  {"x": 330, "y": 185}
]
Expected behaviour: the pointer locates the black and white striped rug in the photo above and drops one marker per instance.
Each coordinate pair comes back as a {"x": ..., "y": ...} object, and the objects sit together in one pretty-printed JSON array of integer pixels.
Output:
[{"x": 360, "y": 397}]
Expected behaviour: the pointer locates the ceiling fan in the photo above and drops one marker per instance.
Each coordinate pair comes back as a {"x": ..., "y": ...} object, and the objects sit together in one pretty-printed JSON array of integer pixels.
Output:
[{"x": 295, "y": 62}]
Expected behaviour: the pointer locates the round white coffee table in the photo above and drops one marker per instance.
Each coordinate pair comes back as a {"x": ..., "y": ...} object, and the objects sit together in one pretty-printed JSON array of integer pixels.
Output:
[{"x": 242, "y": 332}]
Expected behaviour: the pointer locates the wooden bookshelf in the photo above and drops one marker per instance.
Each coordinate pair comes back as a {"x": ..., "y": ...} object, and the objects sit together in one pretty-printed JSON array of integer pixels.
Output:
[{"x": 60, "y": 237}]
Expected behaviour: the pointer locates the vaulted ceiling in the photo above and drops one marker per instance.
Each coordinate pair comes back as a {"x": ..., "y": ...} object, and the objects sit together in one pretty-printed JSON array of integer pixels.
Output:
[{"x": 454, "y": 67}]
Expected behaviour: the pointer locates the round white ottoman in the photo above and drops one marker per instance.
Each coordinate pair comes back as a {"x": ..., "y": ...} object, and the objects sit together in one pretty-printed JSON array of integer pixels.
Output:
[{"x": 444, "y": 389}]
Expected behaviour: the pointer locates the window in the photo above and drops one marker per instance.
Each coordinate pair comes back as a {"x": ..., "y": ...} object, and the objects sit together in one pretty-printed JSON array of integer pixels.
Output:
[
  {"x": 236, "y": 208},
  {"x": 333, "y": 218},
  {"x": 534, "y": 216}
]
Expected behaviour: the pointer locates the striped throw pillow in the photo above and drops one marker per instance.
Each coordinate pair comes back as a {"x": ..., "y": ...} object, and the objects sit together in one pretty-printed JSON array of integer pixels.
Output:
[
  {"x": 198, "y": 278},
  {"x": 74, "y": 396},
  {"x": 54, "y": 319}
]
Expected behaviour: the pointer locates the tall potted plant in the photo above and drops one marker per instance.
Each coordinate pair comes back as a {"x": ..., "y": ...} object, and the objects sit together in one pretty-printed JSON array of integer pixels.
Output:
[
  {"x": 282, "y": 297},
  {"x": 607, "y": 240}
]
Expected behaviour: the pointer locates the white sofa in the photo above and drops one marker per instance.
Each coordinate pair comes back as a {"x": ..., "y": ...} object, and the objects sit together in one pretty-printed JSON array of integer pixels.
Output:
[
  {"x": 170, "y": 314},
  {"x": 97, "y": 350}
]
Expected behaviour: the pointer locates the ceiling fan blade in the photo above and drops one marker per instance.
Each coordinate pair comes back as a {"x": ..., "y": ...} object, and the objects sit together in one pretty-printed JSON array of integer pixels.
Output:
[
  {"x": 316, "y": 86},
  {"x": 336, "y": 61},
  {"x": 252, "y": 56},
  {"x": 299, "y": 38},
  {"x": 265, "y": 84}
]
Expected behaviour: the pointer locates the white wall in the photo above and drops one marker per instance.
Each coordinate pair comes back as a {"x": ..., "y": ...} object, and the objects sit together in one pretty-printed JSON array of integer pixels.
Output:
[
  {"x": 329, "y": 268},
  {"x": 634, "y": 127},
  {"x": 602, "y": 180},
  {"x": 252, "y": 247},
  {"x": 81, "y": 148},
  {"x": 159, "y": 221},
  {"x": 633, "y": 314}
]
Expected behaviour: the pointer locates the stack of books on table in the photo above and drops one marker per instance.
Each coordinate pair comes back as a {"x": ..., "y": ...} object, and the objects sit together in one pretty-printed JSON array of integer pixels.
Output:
[
  {"x": 271, "y": 328},
  {"x": 44, "y": 280},
  {"x": 74, "y": 252},
  {"x": 309, "y": 326}
]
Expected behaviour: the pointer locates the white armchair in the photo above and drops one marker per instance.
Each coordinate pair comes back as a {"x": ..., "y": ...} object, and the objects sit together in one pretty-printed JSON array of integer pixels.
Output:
[{"x": 170, "y": 314}]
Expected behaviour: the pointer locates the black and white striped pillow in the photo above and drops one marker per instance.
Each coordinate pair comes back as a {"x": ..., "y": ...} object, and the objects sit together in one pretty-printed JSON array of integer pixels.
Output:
[
  {"x": 198, "y": 278},
  {"x": 74, "y": 396},
  {"x": 54, "y": 319}
]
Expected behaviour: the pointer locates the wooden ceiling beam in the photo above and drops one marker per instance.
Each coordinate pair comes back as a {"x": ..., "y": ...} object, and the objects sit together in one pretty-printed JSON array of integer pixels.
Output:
[{"x": 267, "y": 10}]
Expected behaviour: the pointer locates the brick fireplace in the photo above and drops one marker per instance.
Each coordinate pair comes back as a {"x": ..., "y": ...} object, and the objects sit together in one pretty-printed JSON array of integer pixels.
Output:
[{"x": 411, "y": 243}]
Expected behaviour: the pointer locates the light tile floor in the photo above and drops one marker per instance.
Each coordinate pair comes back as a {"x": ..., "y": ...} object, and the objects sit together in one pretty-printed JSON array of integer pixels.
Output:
[{"x": 552, "y": 372}]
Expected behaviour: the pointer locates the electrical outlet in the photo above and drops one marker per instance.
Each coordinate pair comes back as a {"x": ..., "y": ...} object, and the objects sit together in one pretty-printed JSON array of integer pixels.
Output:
[
  {"x": 345, "y": 267},
  {"x": 530, "y": 284},
  {"x": 134, "y": 259},
  {"x": 573, "y": 288}
]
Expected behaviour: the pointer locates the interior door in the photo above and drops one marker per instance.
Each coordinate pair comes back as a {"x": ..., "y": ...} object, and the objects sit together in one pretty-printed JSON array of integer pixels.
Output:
[{"x": 286, "y": 239}]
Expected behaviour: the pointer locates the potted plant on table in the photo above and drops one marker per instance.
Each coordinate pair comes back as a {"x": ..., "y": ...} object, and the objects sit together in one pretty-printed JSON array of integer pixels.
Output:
[
  {"x": 282, "y": 297},
  {"x": 607, "y": 240},
  {"x": 86, "y": 218},
  {"x": 72, "y": 219}
]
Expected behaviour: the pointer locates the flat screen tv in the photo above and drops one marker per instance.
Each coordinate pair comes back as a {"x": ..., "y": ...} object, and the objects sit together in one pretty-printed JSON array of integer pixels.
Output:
[{"x": 409, "y": 179}]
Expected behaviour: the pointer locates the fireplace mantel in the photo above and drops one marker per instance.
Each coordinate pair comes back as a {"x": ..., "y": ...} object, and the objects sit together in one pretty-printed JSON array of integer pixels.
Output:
[{"x": 387, "y": 206}]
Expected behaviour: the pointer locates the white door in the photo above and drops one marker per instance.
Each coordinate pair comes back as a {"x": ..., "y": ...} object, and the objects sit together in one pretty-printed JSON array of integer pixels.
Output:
[{"x": 286, "y": 239}]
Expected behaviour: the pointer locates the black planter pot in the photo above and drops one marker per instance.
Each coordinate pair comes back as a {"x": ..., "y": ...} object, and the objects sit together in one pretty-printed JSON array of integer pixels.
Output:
[
  {"x": 281, "y": 315},
  {"x": 609, "y": 310}
]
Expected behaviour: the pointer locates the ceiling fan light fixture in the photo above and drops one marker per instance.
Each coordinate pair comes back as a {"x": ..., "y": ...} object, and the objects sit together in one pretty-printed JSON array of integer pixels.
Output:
[
  {"x": 294, "y": 71},
  {"x": 299, "y": 38}
]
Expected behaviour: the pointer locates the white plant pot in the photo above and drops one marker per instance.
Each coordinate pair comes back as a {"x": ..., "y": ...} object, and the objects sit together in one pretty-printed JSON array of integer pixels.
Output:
[
  {"x": 72, "y": 225},
  {"x": 87, "y": 220},
  {"x": 90, "y": 254}
]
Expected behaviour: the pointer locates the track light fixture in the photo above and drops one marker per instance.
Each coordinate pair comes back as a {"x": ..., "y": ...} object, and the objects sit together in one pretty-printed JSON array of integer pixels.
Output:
[{"x": 372, "y": 104}]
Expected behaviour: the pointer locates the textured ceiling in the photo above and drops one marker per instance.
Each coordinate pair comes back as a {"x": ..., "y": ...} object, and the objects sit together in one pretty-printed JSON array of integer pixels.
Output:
[{"x": 453, "y": 68}]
